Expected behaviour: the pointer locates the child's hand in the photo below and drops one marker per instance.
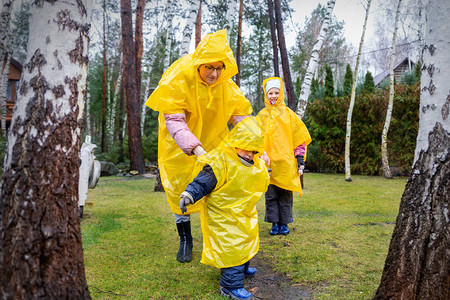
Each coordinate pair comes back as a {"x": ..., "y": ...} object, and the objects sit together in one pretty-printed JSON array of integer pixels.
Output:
[
  {"x": 265, "y": 158},
  {"x": 184, "y": 201},
  {"x": 300, "y": 169},
  {"x": 199, "y": 151}
]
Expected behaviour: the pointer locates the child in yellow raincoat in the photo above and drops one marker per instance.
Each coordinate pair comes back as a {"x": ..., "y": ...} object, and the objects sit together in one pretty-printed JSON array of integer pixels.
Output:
[
  {"x": 232, "y": 180},
  {"x": 285, "y": 141},
  {"x": 195, "y": 98}
]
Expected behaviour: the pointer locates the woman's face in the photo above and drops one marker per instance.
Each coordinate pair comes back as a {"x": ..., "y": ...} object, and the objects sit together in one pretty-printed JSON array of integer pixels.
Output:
[
  {"x": 210, "y": 72},
  {"x": 273, "y": 94}
]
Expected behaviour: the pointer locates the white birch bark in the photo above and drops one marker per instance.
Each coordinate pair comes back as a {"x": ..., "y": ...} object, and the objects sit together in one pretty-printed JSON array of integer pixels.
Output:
[
  {"x": 168, "y": 34},
  {"x": 313, "y": 62},
  {"x": 116, "y": 91},
  {"x": 88, "y": 114},
  {"x": 348, "y": 176},
  {"x": 147, "y": 93},
  {"x": 384, "y": 151},
  {"x": 232, "y": 4},
  {"x": 40, "y": 175},
  {"x": 435, "y": 87},
  {"x": 417, "y": 265},
  {"x": 189, "y": 27}
]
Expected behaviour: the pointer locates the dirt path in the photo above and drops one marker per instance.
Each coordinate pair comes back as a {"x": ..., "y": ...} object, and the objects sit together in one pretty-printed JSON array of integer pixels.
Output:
[{"x": 267, "y": 284}]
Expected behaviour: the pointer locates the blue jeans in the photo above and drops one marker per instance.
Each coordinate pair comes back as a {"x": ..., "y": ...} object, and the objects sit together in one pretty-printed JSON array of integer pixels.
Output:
[{"x": 233, "y": 277}]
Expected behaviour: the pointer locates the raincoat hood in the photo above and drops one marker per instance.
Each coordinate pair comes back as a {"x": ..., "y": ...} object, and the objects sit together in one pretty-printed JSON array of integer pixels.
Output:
[
  {"x": 246, "y": 135},
  {"x": 280, "y": 100},
  {"x": 215, "y": 47}
]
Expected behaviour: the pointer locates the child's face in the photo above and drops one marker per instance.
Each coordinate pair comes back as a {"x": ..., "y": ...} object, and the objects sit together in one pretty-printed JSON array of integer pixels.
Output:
[
  {"x": 248, "y": 155},
  {"x": 273, "y": 94}
]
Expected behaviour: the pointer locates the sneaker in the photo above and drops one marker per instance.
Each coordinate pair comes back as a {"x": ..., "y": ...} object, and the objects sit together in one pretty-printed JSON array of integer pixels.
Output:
[
  {"x": 275, "y": 230},
  {"x": 236, "y": 293},
  {"x": 284, "y": 229},
  {"x": 250, "y": 271}
]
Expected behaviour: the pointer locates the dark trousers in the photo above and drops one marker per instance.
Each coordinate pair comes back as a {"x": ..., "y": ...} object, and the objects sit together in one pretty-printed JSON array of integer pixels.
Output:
[
  {"x": 278, "y": 205},
  {"x": 233, "y": 277}
]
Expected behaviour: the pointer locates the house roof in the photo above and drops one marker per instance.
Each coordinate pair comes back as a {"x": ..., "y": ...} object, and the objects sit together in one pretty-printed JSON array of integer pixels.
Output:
[{"x": 380, "y": 77}]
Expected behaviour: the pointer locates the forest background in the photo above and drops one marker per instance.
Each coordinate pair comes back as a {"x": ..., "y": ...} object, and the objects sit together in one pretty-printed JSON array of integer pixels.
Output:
[{"x": 163, "y": 23}]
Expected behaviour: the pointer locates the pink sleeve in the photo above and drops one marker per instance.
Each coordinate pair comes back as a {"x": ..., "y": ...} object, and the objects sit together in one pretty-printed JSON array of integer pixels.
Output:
[
  {"x": 300, "y": 150},
  {"x": 236, "y": 119},
  {"x": 178, "y": 129}
]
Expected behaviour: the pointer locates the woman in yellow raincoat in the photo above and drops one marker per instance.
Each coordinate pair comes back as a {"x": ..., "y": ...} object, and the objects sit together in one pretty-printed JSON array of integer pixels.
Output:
[
  {"x": 195, "y": 98},
  {"x": 285, "y": 141},
  {"x": 233, "y": 179}
]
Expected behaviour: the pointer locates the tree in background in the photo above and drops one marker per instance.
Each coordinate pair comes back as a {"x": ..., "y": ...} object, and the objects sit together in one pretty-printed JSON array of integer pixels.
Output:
[
  {"x": 384, "y": 150},
  {"x": 20, "y": 32},
  {"x": 284, "y": 56},
  {"x": 348, "y": 81},
  {"x": 418, "y": 263},
  {"x": 329, "y": 82},
  {"x": 239, "y": 43},
  {"x": 189, "y": 27},
  {"x": 313, "y": 62},
  {"x": 132, "y": 97},
  {"x": 273, "y": 34},
  {"x": 41, "y": 254},
  {"x": 352, "y": 99},
  {"x": 369, "y": 84}
]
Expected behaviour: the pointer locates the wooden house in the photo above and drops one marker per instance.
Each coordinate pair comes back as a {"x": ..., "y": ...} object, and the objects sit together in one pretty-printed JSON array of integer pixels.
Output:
[
  {"x": 400, "y": 68},
  {"x": 15, "y": 71}
]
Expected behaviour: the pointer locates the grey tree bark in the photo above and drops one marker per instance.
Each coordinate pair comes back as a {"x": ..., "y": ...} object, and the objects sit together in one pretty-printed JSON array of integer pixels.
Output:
[
  {"x": 41, "y": 254},
  {"x": 189, "y": 27},
  {"x": 418, "y": 262}
]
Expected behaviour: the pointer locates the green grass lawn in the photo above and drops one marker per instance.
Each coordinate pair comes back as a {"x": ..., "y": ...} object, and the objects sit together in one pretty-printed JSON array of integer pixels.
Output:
[{"x": 337, "y": 246}]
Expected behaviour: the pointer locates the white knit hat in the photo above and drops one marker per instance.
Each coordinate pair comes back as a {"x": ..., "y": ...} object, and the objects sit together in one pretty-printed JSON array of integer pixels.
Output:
[{"x": 273, "y": 83}]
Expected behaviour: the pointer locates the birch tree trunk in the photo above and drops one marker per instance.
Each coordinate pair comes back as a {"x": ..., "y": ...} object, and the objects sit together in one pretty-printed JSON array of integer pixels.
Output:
[
  {"x": 116, "y": 92},
  {"x": 387, "y": 122},
  {"x": 313, "y": 62},
  {"x": 348, "y": 176},
  {"x": 284, "y": 56},
  {"x": 273, "y": 34},
  {"x": 147, "y": 94},
  {"x": 168, "y": 34},
  {"x": 104, "y": 82},
  {"x": 230, "y": 17},
  {"x": 5, "y": 52},
  {"x": 189, "y": 27},
  {"x": 41, "y": 254},
  {"x": 133, "y": 103},
  {"x": 239, "y": 43},
  {"x": 88, "y": 114},
  {"x": 138, "y": 37},
  {"x": 418, "y": 262}
]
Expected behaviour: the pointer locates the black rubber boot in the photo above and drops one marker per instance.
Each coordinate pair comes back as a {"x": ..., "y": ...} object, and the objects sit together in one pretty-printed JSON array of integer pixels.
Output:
[
  {"x": 188, "y": 241},
  {"x": 181, "y": 250}
]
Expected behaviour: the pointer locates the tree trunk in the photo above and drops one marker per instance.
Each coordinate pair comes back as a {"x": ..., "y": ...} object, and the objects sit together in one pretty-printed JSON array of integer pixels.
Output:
[
  {"x": 230, "y": 17},
  {"x": 418, "y": 262},
  {"x": 348, "y": 176},
  {"x": 313, "y": 62},
  {"x": 198, "y": 25},
  {"x": 131, "y": 93},
  {"x": 273, "y": 34},
  {"x": 121, "y": 122},
  {"x": 387, "y": 122},
  {"x": 41, "y": 254},
  {"x": 104, "y": 82},
  {"x": 239, "y": 43},
  {"x": 116, "y": 95},
  {"x": 168, "y": 34},
  {"x": 5, "y": 21},
  {"x": 284, "y": 57},
  {"x": 190, "y": 23},
  {"x": 138, "y": 36}
]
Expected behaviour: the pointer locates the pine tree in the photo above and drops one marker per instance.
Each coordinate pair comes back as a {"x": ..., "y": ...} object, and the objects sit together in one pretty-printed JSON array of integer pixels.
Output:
[
  {"x": 348, "y": 79},
  {"x": 369, "y": 84},
  {"x": 329, "y": 82}
]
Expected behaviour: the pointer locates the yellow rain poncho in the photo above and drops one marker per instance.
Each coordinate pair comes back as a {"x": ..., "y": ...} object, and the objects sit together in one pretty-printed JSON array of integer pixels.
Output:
[
  {"x": 208, "y": 109},
  {"x": 228, "y": 215},
  {"x": 283, "y": 132}
]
